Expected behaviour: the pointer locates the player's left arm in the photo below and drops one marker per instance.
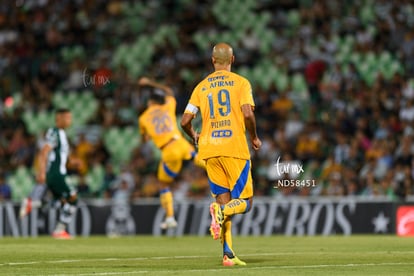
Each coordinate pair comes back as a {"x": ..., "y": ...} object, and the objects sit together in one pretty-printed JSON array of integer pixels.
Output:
[{"x": 147, "y": 81}]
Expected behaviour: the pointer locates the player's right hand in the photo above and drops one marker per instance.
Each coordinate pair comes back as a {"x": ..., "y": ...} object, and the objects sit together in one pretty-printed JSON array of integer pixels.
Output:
[
  {"x": 195, "y": 139},
  {"x": 256, "y": 143}
]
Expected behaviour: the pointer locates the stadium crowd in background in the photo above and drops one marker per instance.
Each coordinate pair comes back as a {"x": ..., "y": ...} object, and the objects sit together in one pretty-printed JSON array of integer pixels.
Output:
[{"x": 353, "y": 133}]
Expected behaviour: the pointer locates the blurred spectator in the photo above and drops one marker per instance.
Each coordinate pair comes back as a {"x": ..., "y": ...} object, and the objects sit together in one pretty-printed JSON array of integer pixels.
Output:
[
  {"x": 100, "y": 152},
  {"x": 294, "y": 125},
  {"x": 5, "y": 190},
  {"x": 108, "y": 181},
  {"x": 199, "y": 186},
  {"x": 150, "y": 186},
  {"x": 282, "y": 105},
  {"x": 83, "y": 151},
  {"x": 122, "y": 192},
  {"x": 405, "y": 150},
  {"x": 332, "y": 82},
  {"x": 83, "y": 188},
  {"x": 334, "y": 185},
  {"x": 371, "y": 186},
  {"x": 314, "y": 72},
  {"x": 21, "y": 148},
  {"x": 307, "y": 146},
  {"x": 374, "y": 167},
  {"x": 341, "y": 150},
  {"x": 352, "y": 187},
  {"x": 407, "y": 112},
  {"x": 77, "y": 77}
]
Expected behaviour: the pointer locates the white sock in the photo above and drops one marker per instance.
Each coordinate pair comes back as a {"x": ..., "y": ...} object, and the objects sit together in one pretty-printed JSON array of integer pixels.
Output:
[{"x": 60, "y": 227}]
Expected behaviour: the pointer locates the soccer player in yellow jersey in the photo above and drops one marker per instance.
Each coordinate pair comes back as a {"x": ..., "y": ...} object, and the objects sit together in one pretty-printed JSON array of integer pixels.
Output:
[
  {"x": 225, "y": 102},
  {"x": 159, "y": 123}
]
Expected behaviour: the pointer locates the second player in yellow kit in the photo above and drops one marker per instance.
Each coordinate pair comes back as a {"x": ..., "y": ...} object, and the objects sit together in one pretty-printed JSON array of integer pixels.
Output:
[{"x": 158, "y": 123}]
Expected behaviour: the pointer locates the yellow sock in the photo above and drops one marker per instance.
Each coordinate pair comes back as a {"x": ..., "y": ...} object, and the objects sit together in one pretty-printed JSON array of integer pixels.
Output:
[
  {"x": 226, "y": 238},
  {"x": 167, "y": 203},
  {"x": 236, "y": 206}
]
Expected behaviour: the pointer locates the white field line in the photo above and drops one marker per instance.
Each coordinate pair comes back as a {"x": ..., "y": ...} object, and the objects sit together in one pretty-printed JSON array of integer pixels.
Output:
[
  {"x": 180, "y": 257},
  {"x": 110, "y": 260},
  {"x": 193, "y": 257},
  {"x": 239, "y": 268}
]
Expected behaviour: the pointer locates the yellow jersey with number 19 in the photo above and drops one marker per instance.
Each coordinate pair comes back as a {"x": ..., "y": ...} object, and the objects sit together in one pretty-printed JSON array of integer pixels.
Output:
[{"x": 219, "y": 98}]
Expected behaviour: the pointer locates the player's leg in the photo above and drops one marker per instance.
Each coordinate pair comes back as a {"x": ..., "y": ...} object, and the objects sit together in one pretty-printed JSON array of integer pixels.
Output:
[
  {"x": 226, "y": 237},
  {"x": 241, "y": 186},
  {"x": 197, "y": 160},
  {"x": 168, "y": 169},
  {"x": 189, "y": 153},
  {"x": 66, "y": 212},
  {"x": 237, "y": 206},
  {"x": 241, "y": 190},
  {"x": 229, "y": 257},
  {"x": 34, "y": 200},
  {"x": 67, "y": 198},
  {"x": 219, "y": 188},
  {"x": 167, "y": 203},
  {"x": 172, "y": 158},
  {"x": 220, "y": 226},
  {"x": 237, "y": 201},
  {"x": 231, "y": 184}
]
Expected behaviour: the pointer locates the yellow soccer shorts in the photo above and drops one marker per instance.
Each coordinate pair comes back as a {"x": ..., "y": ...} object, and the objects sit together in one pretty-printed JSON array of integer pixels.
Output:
[
  {"x": 172, "y": 157},
  {"x": 228, "y": 174}
]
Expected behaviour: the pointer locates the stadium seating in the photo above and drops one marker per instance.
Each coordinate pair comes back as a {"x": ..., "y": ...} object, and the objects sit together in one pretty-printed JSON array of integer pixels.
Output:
[
  {"x": 293, "y": 18},
  {"x": 366, "y": 13},
  {"x": 186, "y": 74},
  {"x": 70, "y": 53},
  {"x": 21, "y": 183},
  {"x": 83, "y": 106},
  {"x": 120, "y": 143},
  {"x": 38, "y": 122},
  {"x": 137, "y": 55},
  {"x": 368, "y": 64},
  {"x": 299, "y": 87},
  {"x": 95, "y": 178},
  {"x": 135, "y": 36}
]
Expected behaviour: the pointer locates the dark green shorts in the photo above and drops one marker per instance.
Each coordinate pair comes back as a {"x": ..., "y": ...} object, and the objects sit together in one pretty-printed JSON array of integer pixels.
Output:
[{"x": 58, "y": 186}]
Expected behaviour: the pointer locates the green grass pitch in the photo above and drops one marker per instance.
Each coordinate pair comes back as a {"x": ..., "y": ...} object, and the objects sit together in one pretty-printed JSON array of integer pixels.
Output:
[{"x": 189, "y": 255}]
